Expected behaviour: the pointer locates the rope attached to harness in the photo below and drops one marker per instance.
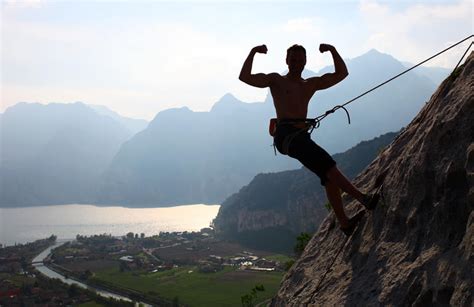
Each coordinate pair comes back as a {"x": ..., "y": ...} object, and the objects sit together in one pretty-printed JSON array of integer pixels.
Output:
[{"x": 317, "y": 120}]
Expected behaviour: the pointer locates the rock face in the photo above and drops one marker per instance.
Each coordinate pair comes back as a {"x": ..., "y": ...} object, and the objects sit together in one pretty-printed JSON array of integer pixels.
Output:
[{"x": 416, "y": 248}]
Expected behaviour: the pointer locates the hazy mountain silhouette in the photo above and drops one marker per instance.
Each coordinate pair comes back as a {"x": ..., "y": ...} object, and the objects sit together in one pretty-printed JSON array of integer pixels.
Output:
[
  {"x": 55, "y": 153},
  {"x": 202, "y": 157},
  {"x": 132, "y": 124},
  {"x": 435, "y": 74},
  {"x": 186, "y": 156}
]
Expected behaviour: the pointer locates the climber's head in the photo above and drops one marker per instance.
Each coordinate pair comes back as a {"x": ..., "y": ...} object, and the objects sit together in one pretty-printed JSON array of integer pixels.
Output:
[{"x": 296, "y": 58}]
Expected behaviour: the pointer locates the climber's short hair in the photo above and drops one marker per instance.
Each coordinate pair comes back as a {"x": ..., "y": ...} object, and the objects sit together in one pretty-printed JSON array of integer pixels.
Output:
[{"x": 295, "y": 47}]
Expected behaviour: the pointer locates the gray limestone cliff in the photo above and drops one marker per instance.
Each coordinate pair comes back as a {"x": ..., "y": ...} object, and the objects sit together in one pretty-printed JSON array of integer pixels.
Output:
[{"x": 416, "y": 247}]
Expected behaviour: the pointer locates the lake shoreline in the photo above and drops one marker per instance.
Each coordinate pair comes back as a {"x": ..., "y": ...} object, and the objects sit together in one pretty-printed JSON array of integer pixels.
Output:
[
  {"x": 105, "y": 205},
  {"x": 28, "y": 224}
]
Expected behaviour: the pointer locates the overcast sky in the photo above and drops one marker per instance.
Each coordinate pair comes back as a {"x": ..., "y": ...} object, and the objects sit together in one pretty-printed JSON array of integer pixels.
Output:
[{"x": 141, "y": 57}]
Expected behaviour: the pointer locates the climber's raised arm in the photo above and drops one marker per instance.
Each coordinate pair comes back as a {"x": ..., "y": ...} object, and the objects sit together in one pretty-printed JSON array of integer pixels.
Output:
[
  {"x": 330, "y": 79},
  {"x": 257, "y": 80}
]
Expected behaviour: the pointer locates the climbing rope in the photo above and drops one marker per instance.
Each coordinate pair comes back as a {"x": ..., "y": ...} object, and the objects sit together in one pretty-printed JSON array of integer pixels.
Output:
[
  {"x": 343, "y": 245},
  {"x": 469, "y": 47},
  {"x": 316, "y": 122}
]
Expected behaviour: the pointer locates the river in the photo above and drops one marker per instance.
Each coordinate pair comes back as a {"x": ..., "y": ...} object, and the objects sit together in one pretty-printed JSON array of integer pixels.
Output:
[{"x": 52, "y": 274}]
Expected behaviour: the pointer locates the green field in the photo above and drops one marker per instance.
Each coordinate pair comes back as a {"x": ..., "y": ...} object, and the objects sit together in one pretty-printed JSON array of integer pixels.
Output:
[{"x": 193, "y": 288}]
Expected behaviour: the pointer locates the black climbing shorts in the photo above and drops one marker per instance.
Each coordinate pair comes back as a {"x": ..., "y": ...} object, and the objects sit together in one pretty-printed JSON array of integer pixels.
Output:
[{"x": 297, "y": 143}]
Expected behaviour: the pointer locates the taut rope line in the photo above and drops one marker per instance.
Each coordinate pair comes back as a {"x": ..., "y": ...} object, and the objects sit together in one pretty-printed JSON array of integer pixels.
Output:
[{"x": 316, "y": 121}]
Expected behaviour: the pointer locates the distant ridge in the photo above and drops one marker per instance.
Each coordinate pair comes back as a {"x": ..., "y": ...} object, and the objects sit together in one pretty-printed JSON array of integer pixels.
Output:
[
  {"x": 203, "y": 157},
  {"x": 55, "y": 153},
  {"x": 183, "y": 156},
  {"x": 134, "y": 125}
]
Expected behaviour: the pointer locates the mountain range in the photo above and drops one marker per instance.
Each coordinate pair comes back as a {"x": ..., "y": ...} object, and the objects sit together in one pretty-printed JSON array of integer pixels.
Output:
[
  {"x": 78, "y": 153},
  {"x": 203, "y": 157},
  {"x": 55, "y": 154}
]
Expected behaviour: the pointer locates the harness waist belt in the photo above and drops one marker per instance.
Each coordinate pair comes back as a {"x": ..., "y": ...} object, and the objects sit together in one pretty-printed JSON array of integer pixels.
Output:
[{"x": 302, "y": 123}]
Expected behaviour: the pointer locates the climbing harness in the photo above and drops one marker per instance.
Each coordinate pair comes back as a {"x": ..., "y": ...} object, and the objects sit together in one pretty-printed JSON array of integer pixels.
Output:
[
  {"x": 314, "y": 123},
  {"x": 303, "y": 124}
]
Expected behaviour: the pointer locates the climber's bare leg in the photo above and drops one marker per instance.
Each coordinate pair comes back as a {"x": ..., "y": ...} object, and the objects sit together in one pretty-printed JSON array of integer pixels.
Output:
[
  {"x": 336, "y": 177},
  {"x": 334, "y": 196}
]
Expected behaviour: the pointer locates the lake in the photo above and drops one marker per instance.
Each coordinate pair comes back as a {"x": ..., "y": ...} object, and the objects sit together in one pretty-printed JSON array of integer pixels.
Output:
[{"x": 21, "y": 225}]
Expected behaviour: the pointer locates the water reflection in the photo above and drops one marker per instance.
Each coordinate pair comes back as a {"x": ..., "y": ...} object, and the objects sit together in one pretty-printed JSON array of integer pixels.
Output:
[{"x": 23, "y": 225}]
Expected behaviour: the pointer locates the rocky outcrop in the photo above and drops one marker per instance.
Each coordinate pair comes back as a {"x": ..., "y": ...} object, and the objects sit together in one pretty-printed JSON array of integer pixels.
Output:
[
  {"x": 470, "y": 172},
  {"x": 416, "y": 248}
]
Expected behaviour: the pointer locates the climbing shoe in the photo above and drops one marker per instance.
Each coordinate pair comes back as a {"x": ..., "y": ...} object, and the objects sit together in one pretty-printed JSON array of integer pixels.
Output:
[
  {"x": 370, "y": 201},
  {"x": 353, "y": 222}
]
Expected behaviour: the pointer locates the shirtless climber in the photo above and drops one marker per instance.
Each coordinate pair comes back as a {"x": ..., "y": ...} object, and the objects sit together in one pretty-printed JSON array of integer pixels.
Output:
[{"x": 291, "y": 95}]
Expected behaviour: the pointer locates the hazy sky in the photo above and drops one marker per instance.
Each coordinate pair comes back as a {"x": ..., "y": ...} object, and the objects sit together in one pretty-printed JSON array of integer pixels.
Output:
[{"x": 140, "y": 57}]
